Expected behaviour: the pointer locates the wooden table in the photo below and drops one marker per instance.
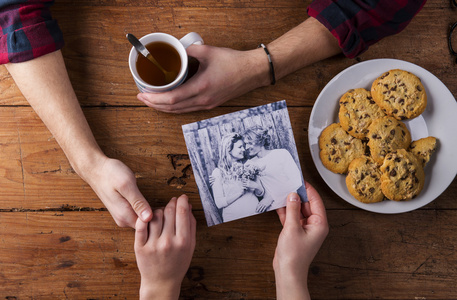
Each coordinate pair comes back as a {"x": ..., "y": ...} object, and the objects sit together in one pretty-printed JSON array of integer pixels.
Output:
[{"x": 58, "y": 241}]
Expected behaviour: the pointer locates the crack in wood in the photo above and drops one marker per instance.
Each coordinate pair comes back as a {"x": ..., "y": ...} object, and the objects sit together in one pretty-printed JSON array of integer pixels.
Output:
[
  {"x": 49, "y": 171},
  {"x": 62, "y": 208},
  {"x": 175, "y": 159}
]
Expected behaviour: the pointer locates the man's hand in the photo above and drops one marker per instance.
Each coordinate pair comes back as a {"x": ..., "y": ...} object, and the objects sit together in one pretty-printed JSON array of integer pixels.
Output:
[
  {"x": 115, "y": 184},
  {"x": 45, "y": 84},
  {"x": 223, "y": 74}
]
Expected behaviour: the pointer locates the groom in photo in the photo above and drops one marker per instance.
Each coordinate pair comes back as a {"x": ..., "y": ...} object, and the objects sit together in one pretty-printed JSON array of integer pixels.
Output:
[{"x": 279, "y": 175}]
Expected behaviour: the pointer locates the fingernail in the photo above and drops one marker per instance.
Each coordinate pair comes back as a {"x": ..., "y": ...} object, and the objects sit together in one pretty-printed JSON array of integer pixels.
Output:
[
  {"x": 294, "y": 198},
  {"x": 145, "y": 215}
]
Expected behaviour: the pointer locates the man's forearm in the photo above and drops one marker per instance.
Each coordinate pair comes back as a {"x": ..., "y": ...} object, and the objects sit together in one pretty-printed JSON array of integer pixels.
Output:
[
  {"x": 45, "y": 84},
  {"x": 303, "y": 45}
]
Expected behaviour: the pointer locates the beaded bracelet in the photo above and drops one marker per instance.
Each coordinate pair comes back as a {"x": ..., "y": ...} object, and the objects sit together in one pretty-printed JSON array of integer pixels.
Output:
[{"x": 272, "y": 69}]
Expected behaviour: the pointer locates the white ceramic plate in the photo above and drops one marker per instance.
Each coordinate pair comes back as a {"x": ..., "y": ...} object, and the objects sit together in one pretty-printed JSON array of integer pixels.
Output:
[{"x": 439, "y": 120}]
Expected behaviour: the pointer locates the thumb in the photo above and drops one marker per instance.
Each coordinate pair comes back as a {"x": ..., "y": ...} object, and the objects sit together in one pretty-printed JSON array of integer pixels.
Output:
[
  {"x": 293, "y": 210},
  {"x": 138, "y": 203},
  {"x": 197, "y": 51}
]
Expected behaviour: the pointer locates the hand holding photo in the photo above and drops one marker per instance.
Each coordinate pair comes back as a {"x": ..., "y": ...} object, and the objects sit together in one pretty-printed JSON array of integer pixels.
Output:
[{"x": 245, "y": 162}]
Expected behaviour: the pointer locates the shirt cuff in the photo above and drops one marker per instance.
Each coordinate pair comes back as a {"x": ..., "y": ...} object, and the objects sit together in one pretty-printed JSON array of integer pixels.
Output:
[
  {"x": 359, "y": 24},
  {"x": 30, "y": 42},
  {"x": 329, "y": 14}
]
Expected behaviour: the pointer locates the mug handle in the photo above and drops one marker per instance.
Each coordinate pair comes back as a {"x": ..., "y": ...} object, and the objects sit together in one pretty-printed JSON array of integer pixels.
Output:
[{"x": 190, "y": 39}]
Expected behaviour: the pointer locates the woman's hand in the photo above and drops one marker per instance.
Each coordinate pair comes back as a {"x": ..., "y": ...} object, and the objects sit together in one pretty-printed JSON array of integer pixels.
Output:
[
  {"x": 263, "y": 205},
  {"x": 304, "y": 231},
  {"x": 164, "y": 249},
  {"x": 251, "y": 184},
  {"x": 236, "y": 187},
  {"x": 212, "y": 180}
]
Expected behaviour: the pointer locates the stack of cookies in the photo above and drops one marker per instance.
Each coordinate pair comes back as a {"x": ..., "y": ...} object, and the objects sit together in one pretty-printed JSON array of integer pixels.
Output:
[{"x": 371, "y": 144}]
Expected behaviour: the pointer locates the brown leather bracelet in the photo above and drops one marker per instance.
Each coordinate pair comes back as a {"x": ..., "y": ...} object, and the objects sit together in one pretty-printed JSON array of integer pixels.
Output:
[{"x": 272, "y": 69}]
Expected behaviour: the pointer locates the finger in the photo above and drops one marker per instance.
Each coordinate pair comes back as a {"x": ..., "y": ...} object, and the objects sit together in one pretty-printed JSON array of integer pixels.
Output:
[
  {"x": 141, "y": 233},
  {"x": 169, "y": 218},
  {"x": 264, "y": 208},
  {"x": 121, "y": 210},
  {"x": 293, "y": 210},
  {"x": 259, "y": 208},
  {"x": 183, "y": 92},
  {"x": 198, "y": 52},
  {"x": 316, "y": 205},
  {"x": 306, "y": 209},
  {"x": 189, "y": 105},
  {"x": 182, "y": 217},
  {"x": 139, "y": 204},
  {"x": 165, "y": 100},
  {"x": 281, "y": 214},
  {"x": 156, "y": 224}
]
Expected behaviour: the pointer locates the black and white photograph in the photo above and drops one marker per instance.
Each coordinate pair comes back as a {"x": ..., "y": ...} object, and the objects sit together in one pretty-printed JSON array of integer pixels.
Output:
[{"x": 244, "y": 163}]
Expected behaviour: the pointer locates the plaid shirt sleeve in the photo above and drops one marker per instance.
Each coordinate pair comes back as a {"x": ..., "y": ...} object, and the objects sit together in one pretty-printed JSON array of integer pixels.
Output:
[
  {"x": 27, "y": 30},
  {"x": 358, "y": 24}
]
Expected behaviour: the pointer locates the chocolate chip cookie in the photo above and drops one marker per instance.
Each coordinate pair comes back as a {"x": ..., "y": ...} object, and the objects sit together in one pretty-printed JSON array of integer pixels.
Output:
[
  {"x": 385, "y": 135},
  {"x": 364, "y": 180},
  {"x": 338, "y": 148},
  {"x": 423, "y": 148},
  {"x": 402, "y": 175},
  {"x": 400, "y": 94},
  {"x": 357, "y": 111}
]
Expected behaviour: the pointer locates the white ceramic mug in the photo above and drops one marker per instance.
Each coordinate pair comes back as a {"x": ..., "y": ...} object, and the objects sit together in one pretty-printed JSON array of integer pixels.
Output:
[{"x": 180, "y": 46}]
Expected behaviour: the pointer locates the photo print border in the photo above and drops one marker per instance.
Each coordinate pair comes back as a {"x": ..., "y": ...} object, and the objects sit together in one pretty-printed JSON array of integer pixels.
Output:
[{"x": 204, "y": 137}]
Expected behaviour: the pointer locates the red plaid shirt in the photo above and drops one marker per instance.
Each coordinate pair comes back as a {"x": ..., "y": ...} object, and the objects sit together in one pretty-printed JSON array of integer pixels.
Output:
[
  {"x": 27, "y": 30},
  {"x": 358, "y": 24}
]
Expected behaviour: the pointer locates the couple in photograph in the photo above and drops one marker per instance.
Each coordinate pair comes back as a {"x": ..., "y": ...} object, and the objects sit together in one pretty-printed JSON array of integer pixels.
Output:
[{"x": 250, "y": 177}]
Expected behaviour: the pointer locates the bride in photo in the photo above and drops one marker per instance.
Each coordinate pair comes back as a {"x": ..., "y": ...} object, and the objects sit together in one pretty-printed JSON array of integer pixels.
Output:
[{"x": 235, "y": 189}]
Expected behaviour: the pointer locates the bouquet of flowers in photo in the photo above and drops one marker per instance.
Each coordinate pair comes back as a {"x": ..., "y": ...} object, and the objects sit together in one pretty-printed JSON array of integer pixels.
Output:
[
  {"x": 237, "y": 170},
  {"x": 248, "y": 171}
]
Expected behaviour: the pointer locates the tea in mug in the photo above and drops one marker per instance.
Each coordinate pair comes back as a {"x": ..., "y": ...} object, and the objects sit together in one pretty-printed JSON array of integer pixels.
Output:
[{"x": 167, "y": 56}]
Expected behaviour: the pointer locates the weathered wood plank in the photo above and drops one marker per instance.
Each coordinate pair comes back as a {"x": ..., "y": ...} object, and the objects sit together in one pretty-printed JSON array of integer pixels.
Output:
[
  {"x": 212, "y": 4},
  {"x": 365, "y": 256},
  {"x": 149, "y": 142},
  {"x": 11, "y": 175},
  {"x": 58, "y": 255},
  {"x": 96, "y": 50},
  {"x": 372, "y": 249},
  {"x": 189, "y": 4}
]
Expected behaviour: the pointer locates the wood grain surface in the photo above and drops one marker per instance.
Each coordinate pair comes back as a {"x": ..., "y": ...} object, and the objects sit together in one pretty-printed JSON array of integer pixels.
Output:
[{"x": 57, "y": 240}]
